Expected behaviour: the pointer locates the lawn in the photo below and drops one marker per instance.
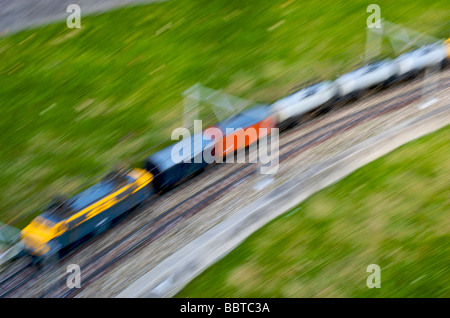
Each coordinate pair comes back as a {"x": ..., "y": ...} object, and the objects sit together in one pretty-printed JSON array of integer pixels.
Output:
[
  {"x": 394, "y": 212},
  {"x": 76, "y": 102}
]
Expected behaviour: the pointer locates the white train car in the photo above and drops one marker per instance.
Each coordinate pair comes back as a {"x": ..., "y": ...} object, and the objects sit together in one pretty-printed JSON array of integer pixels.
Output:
[
  {"x": 324, "y": 95},
  {"x": 372, "y": 75},
  {"x": 411, "y": 63},
  {"x": 317, "y": 96}
]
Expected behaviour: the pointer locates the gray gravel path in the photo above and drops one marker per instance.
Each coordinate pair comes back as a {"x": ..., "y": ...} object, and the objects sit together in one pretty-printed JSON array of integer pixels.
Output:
[{"x": 16, "y": 15}]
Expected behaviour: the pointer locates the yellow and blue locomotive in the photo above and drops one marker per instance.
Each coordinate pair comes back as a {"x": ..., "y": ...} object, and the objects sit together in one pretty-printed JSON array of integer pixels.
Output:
[{"x": 65, "y": 222}]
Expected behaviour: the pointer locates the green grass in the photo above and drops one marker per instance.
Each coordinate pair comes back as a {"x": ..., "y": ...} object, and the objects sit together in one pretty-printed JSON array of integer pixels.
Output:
[
  {"x": 75, "y": 102},
  {"x": 394, "y": 212}
]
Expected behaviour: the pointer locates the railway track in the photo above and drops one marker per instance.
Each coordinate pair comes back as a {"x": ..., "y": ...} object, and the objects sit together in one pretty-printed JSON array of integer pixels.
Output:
[{"x": 132, "y": 242}]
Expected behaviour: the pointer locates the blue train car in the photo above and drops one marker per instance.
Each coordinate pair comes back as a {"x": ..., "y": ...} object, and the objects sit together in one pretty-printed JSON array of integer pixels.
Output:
[{"x": 168, "y": 171}]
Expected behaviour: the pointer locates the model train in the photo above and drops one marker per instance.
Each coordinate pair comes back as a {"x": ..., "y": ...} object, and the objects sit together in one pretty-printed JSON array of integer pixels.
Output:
[{"x": 65, "y": 222}]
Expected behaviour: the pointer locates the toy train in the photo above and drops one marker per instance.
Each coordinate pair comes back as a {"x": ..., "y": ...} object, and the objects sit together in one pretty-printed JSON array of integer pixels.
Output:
[{"x": 65, "y": 222}]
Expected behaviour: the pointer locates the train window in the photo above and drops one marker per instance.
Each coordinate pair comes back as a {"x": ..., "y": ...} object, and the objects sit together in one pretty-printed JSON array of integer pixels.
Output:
[
  {"x": 39, "y": 220},
  {"x": 43, "y": 223}
]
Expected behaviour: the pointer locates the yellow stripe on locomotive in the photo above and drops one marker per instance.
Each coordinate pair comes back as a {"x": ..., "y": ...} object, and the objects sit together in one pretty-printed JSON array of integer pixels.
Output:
[{"x": 53, "y": 230}]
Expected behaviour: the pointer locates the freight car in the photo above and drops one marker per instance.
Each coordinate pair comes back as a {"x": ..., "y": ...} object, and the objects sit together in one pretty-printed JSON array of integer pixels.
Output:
[
  {"x": 318, "y": 96},
  {"x": 412, "y": 63},
  {"x": 190, "y": 159},
  {"x": 322, "y": 96},
  {"x": 244, "y": 129},
  {"x": 169, "y": 171},
  {"x": 65, "y": 222},
  {"x": 372, "y": 75}
]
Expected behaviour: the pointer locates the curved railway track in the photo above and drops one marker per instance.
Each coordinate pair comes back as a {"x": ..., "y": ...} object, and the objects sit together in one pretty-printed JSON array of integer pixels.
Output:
[{"x": 122, "y": 249}]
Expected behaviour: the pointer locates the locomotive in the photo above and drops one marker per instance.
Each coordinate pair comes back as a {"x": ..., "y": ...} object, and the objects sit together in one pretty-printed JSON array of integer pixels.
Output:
[{"x": 65, "y": 222}]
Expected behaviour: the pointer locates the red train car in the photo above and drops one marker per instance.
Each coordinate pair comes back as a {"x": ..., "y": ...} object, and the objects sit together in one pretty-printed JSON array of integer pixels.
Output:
[{"x": 244, "y": 129}]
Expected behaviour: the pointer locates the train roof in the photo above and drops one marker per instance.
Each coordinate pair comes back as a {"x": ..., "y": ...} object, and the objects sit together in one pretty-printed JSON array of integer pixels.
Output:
[
  {"x": 424, "y": 49},
  {"x": 59, "y": 211},
  {"x": 368, "y": 67},
  {"x": 163, "y": 158},
  {"x": 306, "y": 92},
  {"x": 246, "y": 118}
]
